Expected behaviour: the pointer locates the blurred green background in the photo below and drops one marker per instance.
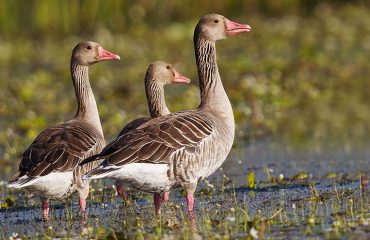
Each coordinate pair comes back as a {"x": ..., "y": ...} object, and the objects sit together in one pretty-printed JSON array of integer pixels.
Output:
[{"x": 301, "y": 75}]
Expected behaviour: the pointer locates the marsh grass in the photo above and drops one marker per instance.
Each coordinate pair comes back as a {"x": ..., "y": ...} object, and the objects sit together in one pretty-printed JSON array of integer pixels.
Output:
[
  {"x": 299, "y": 77},
  {"x": 328, "y": 208}
]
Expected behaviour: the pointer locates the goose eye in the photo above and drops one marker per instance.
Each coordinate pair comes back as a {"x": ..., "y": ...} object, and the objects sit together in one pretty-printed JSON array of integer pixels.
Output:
[
  {"x": 89, "y": 47},
  {"x": 216, "y": 21},
  {"x": 168, "y": 67}
]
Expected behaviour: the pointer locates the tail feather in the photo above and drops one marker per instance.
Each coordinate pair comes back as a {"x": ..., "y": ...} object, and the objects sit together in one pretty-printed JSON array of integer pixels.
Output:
[
  {"x": 20, "y": 182},
  {"x": 90, "y": 159},
  {"x": 97, "y": 173},
  {"x": 15, "y": 177}
]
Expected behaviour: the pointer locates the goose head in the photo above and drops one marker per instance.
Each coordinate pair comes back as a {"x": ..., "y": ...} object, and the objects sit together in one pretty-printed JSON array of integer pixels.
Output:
[
  {"x": 164, "y": 73},
  {"x": 88, "y": 53},
  {"x": 214, "y": 27}
]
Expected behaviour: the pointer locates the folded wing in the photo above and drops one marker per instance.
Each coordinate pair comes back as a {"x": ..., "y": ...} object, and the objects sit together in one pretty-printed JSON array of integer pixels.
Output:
[
  {"x": 156, "y": 140},
  {"x": 59, "y": 148}
]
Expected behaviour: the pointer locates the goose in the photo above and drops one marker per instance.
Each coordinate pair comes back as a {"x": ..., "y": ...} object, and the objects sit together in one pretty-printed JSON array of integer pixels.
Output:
[
  {"x": 181, "y": 148},
  {"x": 158, "y": 74},
  {"x": 49, "y": 167}
]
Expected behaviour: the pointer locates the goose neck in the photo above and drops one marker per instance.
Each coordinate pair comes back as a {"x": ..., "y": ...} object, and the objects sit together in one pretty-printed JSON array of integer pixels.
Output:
[
  {"x": 87, "y": 109},
  {"x": 213, "y": 95},
  {"x": 156, "y": 99}
]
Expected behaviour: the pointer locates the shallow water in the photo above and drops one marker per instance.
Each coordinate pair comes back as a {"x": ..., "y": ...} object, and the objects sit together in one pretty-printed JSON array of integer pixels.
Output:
[
  {"x": 110, "y": 215},
  {"x": 227, "y": 201},
  {"x": 282, "y": 158}
]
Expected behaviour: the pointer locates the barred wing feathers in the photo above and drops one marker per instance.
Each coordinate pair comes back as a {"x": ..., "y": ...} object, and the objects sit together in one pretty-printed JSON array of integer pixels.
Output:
[
  {"x": 156, "y": 140},
  {"x": 59, "y": 148}
]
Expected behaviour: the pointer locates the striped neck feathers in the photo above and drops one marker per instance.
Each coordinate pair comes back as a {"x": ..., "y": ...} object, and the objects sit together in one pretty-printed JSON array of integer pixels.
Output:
[
  {"x": 87, "y": 108},
  {"x": 212, "y": 92},
  {"x": 156, "y": 99}
]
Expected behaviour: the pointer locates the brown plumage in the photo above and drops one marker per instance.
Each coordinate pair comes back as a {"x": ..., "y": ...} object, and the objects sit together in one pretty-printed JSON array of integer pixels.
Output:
[
  {"x": 159, "y": 73},
  {"x": 50, "y": 166},
  {"x": 183, "y": 147},
  {"x": 155, "y": 140}
]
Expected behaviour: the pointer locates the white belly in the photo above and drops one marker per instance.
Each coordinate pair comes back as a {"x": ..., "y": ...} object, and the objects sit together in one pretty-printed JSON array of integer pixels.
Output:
[
  {"x": 144, "y": 176},
  {"x": 55, "y": 185}
]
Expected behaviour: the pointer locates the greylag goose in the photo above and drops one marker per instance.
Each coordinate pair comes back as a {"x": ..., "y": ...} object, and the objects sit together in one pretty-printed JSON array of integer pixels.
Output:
[
  {"x": 49, "y": 167},
  {"x": 159, "y": 73},
  {"x": 180, "y": 148}
]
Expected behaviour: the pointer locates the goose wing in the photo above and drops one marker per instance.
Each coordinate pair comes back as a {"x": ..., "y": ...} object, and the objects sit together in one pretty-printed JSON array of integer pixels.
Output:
[
  {"x": 58, "y": 148},
  {"x": 133, "y": 125},
  {"x": 156, "y": 140}
]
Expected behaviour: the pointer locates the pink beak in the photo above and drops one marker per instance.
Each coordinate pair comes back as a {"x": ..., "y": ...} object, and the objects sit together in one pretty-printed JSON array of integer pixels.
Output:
[
  {"x": 233, "y": 28},
  {"x": 106, "y": 55},
  {"x": 179, "y": 78}
]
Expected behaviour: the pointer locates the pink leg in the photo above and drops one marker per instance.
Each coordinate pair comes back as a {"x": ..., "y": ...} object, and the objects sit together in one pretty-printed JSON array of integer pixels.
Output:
[
  {"x": 83, "y": 206},
  {"x": 191, "y": 213},
  {"x": 45, "y": 209},
  {"x": 83, "y": 210},
  {"x": 190, "y": 201},
  {"x": 190, "y": 189},
  {"x": 157, "y": 203},
  {"x": 166, "y": 196},
  {"x": 121, "y": 193}
]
